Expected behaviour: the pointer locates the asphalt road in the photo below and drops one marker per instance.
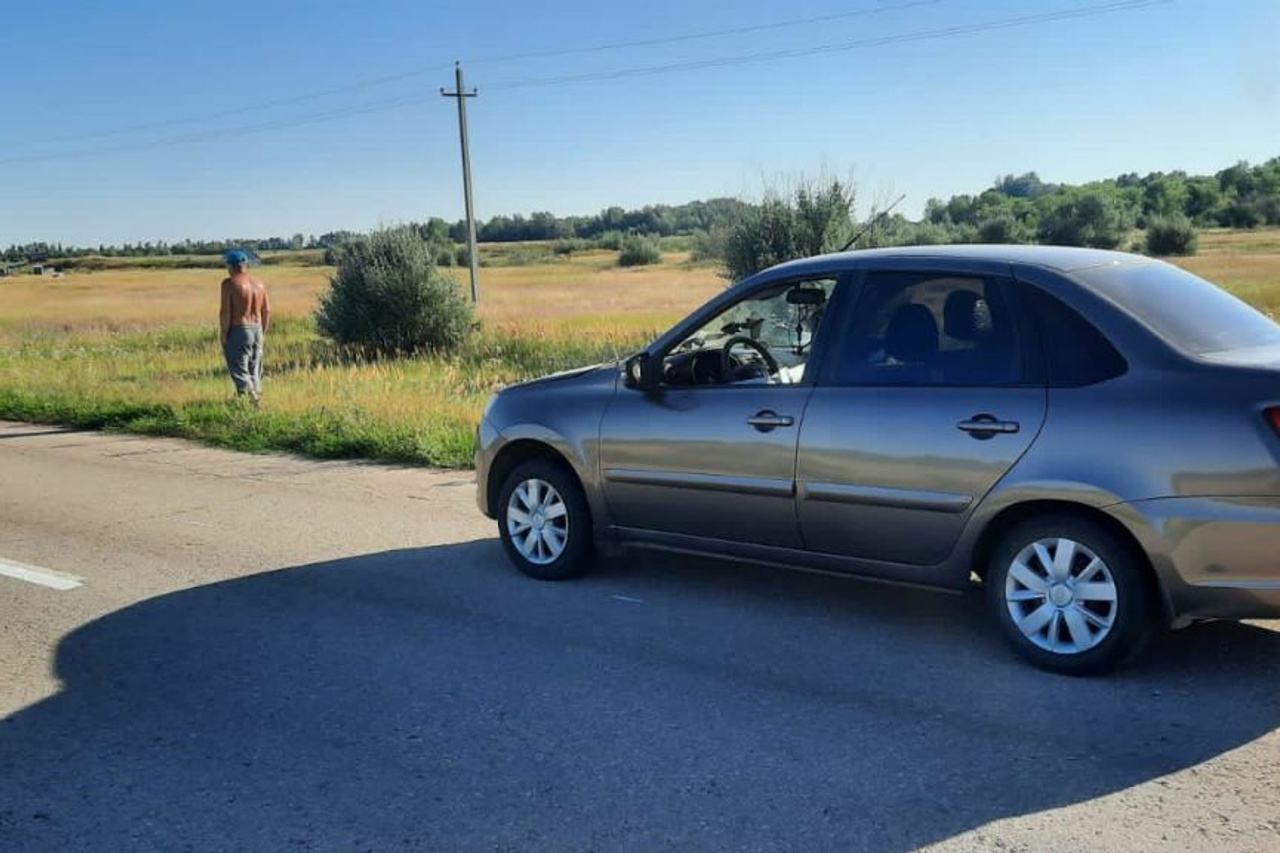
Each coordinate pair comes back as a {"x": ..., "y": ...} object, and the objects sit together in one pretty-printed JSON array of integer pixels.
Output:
[{"x": 269, "y": 654}]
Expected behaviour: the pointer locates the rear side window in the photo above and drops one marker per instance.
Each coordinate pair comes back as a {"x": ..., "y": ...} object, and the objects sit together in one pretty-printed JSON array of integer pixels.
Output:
[
  {"x": 926, "y": 329},
  {"x": 1075, "y": 352}
]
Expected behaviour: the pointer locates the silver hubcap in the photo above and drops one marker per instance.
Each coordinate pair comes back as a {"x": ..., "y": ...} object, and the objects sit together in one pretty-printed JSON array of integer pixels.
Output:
[
  {"x": 538, "y": 521},
  {"x": 1061, "y": 596}
]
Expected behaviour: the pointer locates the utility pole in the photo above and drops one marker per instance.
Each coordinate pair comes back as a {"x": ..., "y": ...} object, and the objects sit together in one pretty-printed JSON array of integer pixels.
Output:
[{"x": 473, "y": 253}]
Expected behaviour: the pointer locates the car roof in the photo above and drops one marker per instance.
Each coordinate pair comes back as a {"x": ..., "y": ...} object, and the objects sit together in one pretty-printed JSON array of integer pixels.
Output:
[{"x": 1063, "y": 259}]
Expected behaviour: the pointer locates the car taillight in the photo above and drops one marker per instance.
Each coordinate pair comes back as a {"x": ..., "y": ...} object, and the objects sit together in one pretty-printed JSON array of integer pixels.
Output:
[{"x": 1273, "y": 417}]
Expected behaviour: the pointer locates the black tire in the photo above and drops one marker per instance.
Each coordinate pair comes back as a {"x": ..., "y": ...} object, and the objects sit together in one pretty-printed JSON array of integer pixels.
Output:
[
  {"x": 576, "y": 556},
  {"x": 1129, "y": 617}
]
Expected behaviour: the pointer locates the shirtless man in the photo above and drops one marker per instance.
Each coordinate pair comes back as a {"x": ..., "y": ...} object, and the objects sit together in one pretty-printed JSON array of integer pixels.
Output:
[{"x": 244, "y": 319}]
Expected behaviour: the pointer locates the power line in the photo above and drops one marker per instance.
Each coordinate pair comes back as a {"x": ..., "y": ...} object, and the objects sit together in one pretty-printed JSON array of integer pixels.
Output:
[
  {"x": 265, "y": 105},
  {"x": 513, "y": 57},
  {"x": 231, "y": 132},
  {"x": 879, "y": 41},
  {"x": 643, "y": 71},
  {"x": 706, "y": 34}
]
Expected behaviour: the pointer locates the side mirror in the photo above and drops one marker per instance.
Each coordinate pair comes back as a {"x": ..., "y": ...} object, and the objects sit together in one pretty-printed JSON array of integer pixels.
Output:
[{"x": 641, "y": 372}]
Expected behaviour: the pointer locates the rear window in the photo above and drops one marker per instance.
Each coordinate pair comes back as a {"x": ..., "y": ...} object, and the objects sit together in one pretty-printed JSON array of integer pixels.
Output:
[{"x": 1192, "y": 314}]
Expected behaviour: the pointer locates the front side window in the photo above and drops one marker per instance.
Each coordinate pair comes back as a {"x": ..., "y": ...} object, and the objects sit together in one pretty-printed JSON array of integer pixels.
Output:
[
  {"x": 766, "y": 338},
  {"x": 929, "y": 329}
]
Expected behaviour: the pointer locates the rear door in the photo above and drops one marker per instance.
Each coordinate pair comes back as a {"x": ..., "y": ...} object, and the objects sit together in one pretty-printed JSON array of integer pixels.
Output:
[{"x": 928, "y": 398}]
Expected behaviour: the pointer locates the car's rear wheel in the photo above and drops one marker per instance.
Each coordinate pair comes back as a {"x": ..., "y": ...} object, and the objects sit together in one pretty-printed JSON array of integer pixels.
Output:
[
  {"x": 544, "y": 521},
  {"x": 1070, "y": 595}
]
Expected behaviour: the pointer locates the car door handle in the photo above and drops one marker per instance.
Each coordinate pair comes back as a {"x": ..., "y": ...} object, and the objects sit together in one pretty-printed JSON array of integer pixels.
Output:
[
  {"x": 986, "y": 426},
  {"x": 767, "y": 420}
]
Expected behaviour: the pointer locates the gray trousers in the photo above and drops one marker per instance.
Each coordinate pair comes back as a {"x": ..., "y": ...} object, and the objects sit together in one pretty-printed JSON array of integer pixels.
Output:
[{"x": 243, "y": 350}]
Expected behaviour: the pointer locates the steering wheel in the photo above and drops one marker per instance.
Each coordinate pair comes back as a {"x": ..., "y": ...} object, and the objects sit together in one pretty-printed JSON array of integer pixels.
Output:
[{"x": 726, "y": 354}]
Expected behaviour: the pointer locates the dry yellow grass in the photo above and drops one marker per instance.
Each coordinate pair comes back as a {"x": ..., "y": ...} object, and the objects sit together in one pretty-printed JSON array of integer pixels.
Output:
[
  {"x": 593, "y": 288},
  {"x": 1245, "y": 262},
  {"x": 137, "y": 299},
  {"x": 1229, "y": 241},
  {"x": 589, "y": 292}
]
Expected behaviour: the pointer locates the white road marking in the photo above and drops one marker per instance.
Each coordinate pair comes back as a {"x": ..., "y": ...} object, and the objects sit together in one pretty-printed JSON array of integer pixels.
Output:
[
  {"x": 628, "y": 599},
  {"x": 44, "y": 577}
]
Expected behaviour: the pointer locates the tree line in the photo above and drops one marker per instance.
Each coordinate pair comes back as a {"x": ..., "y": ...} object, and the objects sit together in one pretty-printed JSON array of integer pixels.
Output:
[
  {"x": 655, "y": 220},
  {"x": 40, "y": 251},
  {"x": 1101, "y": 214},
  {"x": 1015, "y": 209}
]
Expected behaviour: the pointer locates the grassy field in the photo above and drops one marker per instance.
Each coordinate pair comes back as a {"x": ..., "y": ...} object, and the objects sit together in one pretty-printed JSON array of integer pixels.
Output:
[
  {"x": 1245, "y": 262},
  {"x": 135, "y": 347}
]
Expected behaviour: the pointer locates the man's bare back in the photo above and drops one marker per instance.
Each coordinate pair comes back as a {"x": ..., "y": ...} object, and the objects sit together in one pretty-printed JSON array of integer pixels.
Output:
[{"x": 244, "y": 302}]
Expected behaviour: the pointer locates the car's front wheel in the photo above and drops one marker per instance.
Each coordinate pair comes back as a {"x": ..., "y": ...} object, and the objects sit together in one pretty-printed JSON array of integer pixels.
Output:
[
  {"x": 1070, "y": 595},
  {"x": 544, "y": 521}
]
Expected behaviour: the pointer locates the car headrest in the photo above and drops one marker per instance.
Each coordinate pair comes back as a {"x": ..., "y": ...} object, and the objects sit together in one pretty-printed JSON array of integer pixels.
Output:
[
  {"x": 912, "y": 336},
  {"x": 966, "y": 316}
]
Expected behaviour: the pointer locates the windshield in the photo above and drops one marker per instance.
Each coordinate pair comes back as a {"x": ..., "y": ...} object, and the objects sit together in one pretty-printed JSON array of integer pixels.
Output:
[
  {"x": 1192, "y": 314},
  {"x": 768, "y": 318},
  {"x": 765, "y": 337}
]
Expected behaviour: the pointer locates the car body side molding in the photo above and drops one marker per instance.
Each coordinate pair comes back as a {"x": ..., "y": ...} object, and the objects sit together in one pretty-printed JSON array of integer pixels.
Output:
[
  {"x": 708, "y": 482},
  {"x": 882, "y": 496}
]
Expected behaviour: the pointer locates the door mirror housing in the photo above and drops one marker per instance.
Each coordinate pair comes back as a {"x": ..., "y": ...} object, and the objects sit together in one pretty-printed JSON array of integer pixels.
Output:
[{"x": 641, "y": 372}]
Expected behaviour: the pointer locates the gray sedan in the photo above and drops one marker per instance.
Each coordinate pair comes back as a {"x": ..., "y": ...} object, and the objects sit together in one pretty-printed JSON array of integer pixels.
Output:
[{"x": 1093, "y": 436}]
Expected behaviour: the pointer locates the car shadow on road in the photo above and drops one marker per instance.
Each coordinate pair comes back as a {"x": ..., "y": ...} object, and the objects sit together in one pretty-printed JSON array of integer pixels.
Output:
[{"x": 434, "y": 699}]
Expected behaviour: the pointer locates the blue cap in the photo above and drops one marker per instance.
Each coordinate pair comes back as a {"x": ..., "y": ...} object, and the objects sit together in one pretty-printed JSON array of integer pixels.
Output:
[{"x": 235, "y": 256}]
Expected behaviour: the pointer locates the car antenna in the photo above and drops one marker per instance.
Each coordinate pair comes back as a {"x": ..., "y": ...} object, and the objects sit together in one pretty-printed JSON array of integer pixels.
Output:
[{"x": 873, "y": 223}]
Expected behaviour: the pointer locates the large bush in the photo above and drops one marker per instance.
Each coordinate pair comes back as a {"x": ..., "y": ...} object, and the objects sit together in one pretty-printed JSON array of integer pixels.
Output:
[
  {"x": 814, "y": 218},
  {"x": 1089, "y": 218},
  {"x": 1171, "y": 235},
  {"x": 569, "y": 245},
  {"x": 1004, "y": 228},
  {"x": 388, "y": 298},
  {"x": 707, "y": 246},
  {"x": 637, "y": 251},
  {"x": 610, "y": 240},
  {"x": 1242, "y": 213}
]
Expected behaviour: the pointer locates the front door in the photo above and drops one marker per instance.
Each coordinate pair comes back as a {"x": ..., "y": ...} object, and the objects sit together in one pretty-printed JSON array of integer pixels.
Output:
[
  {"x": 925, "y": 404},
  {"x": 702, "y": 462},
  {"x": 712, "y": 452}
]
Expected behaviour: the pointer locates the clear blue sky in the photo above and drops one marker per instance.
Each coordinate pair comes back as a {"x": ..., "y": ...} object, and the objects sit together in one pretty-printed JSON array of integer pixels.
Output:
[{"x": 1193, "y": 84}]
